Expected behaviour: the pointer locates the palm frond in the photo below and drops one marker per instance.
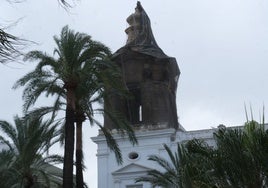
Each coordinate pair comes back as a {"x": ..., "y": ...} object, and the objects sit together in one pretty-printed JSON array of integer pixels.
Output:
[
  {"x": 121, "y": 124},
  {"x": 111, "y": 142},
  {"x": 9, "y": 130},
  {"x": 10, "y": 46},
  {"x": 32, "y": 137}
]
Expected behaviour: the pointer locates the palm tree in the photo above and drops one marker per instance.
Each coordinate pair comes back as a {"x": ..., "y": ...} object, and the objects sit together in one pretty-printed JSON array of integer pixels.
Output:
[
  {"x": 24, "y": 161},
  {"x": 239, "y": 158},
  {"x": 203, "y": 162},
  {"x": 77, "y": 77},
  {"x": 242, "y": 155},
  {"x": 98, "y": 77}
]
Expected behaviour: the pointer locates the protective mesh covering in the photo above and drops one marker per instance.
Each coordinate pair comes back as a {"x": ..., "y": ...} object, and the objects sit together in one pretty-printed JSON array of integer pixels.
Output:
[
  {"x": 149, "y": 75},
  {"x": 140, "y": 35}
]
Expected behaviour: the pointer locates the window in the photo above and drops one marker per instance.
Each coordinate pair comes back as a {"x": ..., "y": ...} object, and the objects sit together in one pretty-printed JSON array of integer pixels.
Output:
[
  {"x": 140, "y": 113},
  {"x": 133, "y": 155}
]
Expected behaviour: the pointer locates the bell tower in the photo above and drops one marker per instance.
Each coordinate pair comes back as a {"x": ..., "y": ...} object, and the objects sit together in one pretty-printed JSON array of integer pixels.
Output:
[{"x": 149, "y": 75}]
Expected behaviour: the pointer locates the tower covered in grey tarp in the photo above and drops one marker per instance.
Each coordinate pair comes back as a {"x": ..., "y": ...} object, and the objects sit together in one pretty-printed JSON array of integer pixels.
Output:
[{"x": 150, "y": 76}]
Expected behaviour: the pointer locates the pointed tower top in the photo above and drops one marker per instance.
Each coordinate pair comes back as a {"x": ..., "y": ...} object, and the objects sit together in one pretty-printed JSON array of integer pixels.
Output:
[{"x": 140, "y": 35}]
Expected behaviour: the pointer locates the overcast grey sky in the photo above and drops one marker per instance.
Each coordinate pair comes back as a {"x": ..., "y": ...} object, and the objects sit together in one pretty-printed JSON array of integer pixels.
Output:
[{"x": 221, "y": 47}]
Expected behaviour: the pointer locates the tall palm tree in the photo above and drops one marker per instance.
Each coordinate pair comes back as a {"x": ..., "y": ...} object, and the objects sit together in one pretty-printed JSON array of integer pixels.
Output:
[
  {"x": 77, "y": 77},
  {"x": 91, "y": 90},
  {"x": 24, "y": 161}
]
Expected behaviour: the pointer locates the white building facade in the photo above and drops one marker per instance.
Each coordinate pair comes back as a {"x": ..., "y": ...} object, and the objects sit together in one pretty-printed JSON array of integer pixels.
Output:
[{"x": 136, "y": 163}]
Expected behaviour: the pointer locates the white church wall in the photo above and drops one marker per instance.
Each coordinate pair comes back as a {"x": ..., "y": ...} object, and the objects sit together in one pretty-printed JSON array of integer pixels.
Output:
[{"x": 150, "y": 142}]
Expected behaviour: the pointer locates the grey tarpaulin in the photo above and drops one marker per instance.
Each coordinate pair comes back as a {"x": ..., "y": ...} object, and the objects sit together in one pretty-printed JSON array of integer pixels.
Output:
[{"x": 149, "y": 75}]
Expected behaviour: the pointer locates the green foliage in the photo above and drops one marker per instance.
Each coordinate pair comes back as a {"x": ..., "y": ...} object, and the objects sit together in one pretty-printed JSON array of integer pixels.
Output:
[
  {"x": 174, "y": 170},
  {"x": 25, "y": 160},
  {"x": 85, "y": 63},
  {"x": 79, "y": 75},
  {"x": 10, "y": 46},
  {"x": 239, "y": 159}
]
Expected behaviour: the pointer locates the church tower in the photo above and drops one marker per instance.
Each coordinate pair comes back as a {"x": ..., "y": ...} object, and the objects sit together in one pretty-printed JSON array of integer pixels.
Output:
[{"x": 151, "y": 77}]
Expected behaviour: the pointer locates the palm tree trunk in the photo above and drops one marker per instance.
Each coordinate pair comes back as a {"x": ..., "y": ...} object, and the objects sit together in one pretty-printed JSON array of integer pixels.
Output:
[
  {"x": 30, "y": 181},
  {"x": 79, "y": 155},
  {"x": 69, "y": 140}
]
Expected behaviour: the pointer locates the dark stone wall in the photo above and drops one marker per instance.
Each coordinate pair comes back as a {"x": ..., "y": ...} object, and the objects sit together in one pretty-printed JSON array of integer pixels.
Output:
[{"x": 152, "y": 83}]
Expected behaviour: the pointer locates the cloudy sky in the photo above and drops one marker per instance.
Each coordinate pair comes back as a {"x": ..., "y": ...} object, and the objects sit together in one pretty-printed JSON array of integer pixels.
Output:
[{"x": 221, "y": 47}]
